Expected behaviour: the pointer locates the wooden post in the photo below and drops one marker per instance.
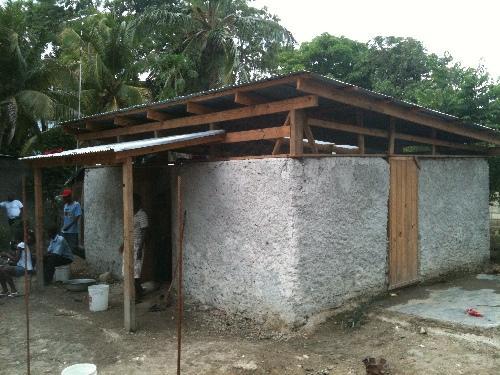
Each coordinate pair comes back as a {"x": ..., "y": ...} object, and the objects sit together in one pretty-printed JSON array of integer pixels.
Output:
[
  {"x": 37, "y": 174},
  {"x": 392, "y": 131},
  {"x": 26, "y": 279},
  {"x": 128, "y": 246},
  {"x": 298, "y": 120},
  {"x": 180, "y": 300},
  {"x": 212, "y": 153},
  {"x": 361, "y": 137},
  {"x": 433, "y": 136}
]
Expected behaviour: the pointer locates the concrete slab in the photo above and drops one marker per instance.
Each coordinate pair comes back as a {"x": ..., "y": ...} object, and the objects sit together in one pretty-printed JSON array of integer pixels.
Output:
[{"x": 448, "y": 304}]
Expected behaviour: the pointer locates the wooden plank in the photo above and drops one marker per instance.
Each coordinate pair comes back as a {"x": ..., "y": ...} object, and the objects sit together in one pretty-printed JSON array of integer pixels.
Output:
[
  {"x": 391, "y": 109},
  {"x": 128, "y": 246},
  {"x": 249, "y": 98},
  {"x": 124, "y": 121},
  {"x": 211, "y": 139},
  {"x": 360, "y": 121},
  {"x": 258, "y": 134},
  {"x": 158, "y": 116},
  {"x": 381, "y": 133},
  {"x": 222, "y": 116},
  {"x": 37, "y": 174},
  {"x": 392, "y": 137},
  {"x": 433, "y": 136},
  {"x": 91, "y": 125},
  {"x": 310, "y": 138},
  {"x": 403, "y": 222},
  {"x": 277, "y": 146},
  {"x": 298, "y": 120},
  {"x": 198, "y": 109}
]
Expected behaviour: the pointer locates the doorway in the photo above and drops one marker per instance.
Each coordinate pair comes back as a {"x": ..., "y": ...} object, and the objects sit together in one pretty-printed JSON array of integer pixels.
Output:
[{"x": 403, "y": 222}]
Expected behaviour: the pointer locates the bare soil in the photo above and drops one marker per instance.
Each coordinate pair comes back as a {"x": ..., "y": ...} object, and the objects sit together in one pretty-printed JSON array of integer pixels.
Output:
[{"x": 64, "y": 332}]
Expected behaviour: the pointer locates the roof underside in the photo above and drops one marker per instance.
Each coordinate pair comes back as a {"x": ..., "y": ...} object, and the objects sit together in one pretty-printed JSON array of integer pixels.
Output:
[{"x": 333, "y": 110}]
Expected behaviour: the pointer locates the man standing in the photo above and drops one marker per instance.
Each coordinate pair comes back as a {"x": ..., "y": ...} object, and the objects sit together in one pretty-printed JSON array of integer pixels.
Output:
[
  {"x": 140, "y": 226},
  {"x": 71, "y": 227},
  {"x": 14, "y": 210},
  {"x": 58, "y": 254}
]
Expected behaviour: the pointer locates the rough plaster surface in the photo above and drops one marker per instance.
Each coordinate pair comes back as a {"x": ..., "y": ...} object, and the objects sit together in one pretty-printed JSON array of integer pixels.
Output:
[
  {"x": 453, "y": 215},
  {"x": 103, "y": 218},
  {"x": 284, "y": 238}
]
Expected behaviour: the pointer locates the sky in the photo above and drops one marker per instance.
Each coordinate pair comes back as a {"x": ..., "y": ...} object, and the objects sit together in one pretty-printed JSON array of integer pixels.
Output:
[{"x": 469, "y": 30}]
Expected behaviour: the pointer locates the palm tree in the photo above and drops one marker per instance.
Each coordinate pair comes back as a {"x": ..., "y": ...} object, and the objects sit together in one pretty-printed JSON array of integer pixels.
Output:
[
  {"x": 226, "y": 38},
  {"x": 25, "y": 98},
  {"x": 106, "y": 47}
]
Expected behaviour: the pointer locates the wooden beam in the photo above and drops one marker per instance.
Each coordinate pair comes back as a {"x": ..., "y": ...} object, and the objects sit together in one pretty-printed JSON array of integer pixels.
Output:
[
  {"x": 391, "y": 109},
  {"x": 249, "y": 98},
  {"x": 37, "y": 174},
  {"x": 198, "y": 109},
  {"x": 380, "y": 133},
  {"x": 277, "y": 146},
  {"x": 211, "y": 139},
  {"x": 158, "y": 116},
  {"x": 298, "y": 119},
  {"x": 392, "y": 135},
  {"x": 106, "y": 158},
  {"x": 310, "y": 138},
  {"x": 124, "y": 121},
  {"x": 128, "y": 246},
  {"x": 258, "y": 134},
  {"x": 228, "y": 115},
  {"x": 91, "y": 125},
  {"x": 360, "y": 121},
  {"x": 433, "y": 136}
]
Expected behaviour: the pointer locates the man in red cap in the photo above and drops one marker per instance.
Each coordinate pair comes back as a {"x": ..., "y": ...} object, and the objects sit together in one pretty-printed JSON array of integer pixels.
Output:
[{"x": 72, "y": 213}]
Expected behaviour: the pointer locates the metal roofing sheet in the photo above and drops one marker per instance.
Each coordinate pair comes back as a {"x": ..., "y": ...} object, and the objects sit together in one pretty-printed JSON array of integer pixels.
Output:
[
  {"x": 126, "y": 146},
  {"x": 335, "y": 82}
]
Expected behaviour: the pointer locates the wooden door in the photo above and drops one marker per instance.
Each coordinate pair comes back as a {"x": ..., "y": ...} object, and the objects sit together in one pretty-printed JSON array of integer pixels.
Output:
[{"x": 403, "y": 222}]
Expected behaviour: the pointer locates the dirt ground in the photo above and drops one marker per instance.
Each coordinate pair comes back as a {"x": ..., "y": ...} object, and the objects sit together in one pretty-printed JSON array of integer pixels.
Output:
[{"x": 64, "y": 332}]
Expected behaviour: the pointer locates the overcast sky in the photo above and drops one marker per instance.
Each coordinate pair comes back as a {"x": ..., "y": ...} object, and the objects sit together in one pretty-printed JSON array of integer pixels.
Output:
[{"x": 469, "y": 30}]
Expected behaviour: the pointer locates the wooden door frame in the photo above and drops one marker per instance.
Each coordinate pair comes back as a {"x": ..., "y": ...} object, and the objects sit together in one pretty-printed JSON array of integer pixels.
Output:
[{"x": 389, "y": 226}]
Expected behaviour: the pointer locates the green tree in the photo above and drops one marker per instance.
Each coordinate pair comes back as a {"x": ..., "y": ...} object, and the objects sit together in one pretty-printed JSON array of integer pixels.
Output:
[
  {"x": 106, "y": 46},
  {"x": 227, "y": 40},
  {"x": 27, "y": 97}
]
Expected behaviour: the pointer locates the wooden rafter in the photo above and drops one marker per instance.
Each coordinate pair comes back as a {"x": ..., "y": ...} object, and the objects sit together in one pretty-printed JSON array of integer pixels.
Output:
[
  {"x": 158, "y": 116},
  {"x": 249, "y": 98},
  {"x": 351, "y": 98},
  {"x": 380, "y": 133},
  {"x": 360, "y": 121},
  {"x": 198, "y": 109},
  {"x": 124, "y": 121},
  {"x": 258, "y": 134},
  {"x": 221, "y": 116}
]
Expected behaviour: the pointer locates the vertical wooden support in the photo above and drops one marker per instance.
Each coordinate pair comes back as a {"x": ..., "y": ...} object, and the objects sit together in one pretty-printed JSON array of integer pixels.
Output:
[
  {"x": 37, "y": 173},
  {"x": 128, "y": 246},
  {"x": 361, "y": 138},
  {"x": 180, "y": 255},
  {"x": 392, "y": 132},
  {"x": 212, "y": 149},
  {"x": 298, "y": 119},
  {"x": 433, "y": 146}
]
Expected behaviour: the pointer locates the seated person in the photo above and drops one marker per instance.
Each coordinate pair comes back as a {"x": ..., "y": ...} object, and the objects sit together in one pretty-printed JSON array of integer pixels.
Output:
[
  {"x": 58, "y": 254},
  {"x": 17, "y": 263}
]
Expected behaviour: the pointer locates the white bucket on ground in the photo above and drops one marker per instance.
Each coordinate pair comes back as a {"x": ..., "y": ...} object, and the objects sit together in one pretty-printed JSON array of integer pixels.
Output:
[
  {"x": 80, "y": 369},
  {"x": 62, "y": 273},
  {"x": 98, "y": 297}
]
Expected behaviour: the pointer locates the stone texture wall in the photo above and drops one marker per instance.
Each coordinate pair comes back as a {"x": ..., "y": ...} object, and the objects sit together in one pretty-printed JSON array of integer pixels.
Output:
[
  {"x": 103, "y": 218},
  {"x": 453, "y": 215},
  {"x": 284, "y": 238}
]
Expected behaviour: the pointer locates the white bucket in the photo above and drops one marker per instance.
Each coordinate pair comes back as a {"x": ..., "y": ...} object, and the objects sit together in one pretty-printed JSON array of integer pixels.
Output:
[
  {"x": 62, "y": 273},
  {"x": 98, "y": 297},
  {"x": 80, "y": 369}
]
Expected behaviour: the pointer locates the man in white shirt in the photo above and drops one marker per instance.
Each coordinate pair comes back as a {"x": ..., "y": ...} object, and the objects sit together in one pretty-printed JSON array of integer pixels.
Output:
[{"x": 14, "y": 210}]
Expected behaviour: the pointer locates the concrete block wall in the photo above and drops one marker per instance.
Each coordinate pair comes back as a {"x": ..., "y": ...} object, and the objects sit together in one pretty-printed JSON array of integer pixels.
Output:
[
  {"x": 453, "y": 215},
  {"x": 284, "y": 238},
  {"x": 103, "y": 219}
]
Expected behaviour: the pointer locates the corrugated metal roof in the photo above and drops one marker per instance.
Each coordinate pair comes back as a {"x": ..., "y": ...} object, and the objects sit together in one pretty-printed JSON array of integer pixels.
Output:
[
  {"x": 126, "y": 146},
  {"x": 335, "y": 82}
]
